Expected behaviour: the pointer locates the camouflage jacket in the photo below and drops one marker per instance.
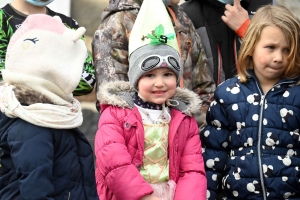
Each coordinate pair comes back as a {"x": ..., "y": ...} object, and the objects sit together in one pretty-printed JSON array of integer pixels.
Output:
[
  {"x": 110, "y": 50},
  {"x": 11, "y": 20}
]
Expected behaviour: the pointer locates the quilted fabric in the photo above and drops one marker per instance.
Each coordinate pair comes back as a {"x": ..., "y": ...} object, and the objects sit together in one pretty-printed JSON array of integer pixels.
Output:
[{"x": 252, "y": 142}]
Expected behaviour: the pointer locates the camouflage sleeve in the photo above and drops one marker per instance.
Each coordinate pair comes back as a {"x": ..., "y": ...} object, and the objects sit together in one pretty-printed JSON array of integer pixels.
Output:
[
  {"x": 87, "y": 81},
  {"x": 110, "y": 48},
  {"x": 202, "y": 80},
  {"x": 5, "y": 33}
]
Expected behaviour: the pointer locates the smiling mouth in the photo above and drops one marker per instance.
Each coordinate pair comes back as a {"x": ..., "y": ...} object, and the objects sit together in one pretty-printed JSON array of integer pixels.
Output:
[{"x": 158, "y": 92}]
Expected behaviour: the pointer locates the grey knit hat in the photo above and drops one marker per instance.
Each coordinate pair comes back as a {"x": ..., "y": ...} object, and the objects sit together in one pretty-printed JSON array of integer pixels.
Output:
[{"x": 149, "y": 57}]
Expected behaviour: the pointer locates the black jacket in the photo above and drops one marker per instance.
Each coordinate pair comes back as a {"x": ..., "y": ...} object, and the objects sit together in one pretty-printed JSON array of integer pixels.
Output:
[{"x": 45, "y": 163}]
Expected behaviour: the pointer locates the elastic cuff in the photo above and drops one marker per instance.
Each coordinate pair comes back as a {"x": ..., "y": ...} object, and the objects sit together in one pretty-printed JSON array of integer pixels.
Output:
[{"x": 243, "y": 28}]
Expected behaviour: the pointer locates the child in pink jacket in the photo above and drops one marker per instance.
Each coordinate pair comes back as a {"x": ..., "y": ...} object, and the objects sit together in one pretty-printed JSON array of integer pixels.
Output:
[{"x": 147, "y": 145}]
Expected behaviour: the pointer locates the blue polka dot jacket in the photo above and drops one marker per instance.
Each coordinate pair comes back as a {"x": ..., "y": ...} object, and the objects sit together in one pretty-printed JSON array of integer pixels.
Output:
[{"x": 251, "y": 143}]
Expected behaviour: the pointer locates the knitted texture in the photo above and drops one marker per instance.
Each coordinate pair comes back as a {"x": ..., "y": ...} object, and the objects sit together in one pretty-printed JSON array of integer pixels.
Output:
[
  {"x": 140, "y": 55},
  {"x": 46, "y": 57}
]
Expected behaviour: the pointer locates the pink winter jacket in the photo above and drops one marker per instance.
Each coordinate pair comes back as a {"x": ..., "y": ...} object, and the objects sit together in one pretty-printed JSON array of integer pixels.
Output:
[{"x": 119, "y": 147}]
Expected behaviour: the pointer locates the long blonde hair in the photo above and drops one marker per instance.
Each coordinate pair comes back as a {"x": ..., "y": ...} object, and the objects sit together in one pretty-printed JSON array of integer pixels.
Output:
[{"x": 282, "y": 18}]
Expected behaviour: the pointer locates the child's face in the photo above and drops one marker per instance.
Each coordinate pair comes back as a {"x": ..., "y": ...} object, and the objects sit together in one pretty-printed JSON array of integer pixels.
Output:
[
  {"x": 270, "y": 55},
  {"x": 157, "y": 86}
]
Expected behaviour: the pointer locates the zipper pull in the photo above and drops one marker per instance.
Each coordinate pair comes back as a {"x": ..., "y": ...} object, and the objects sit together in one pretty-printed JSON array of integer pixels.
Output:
[{"x": 262, "y": 100}]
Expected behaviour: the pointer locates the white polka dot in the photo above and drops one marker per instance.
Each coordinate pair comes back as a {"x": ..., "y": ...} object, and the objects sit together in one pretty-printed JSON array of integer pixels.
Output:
[
  {"x": 214, "y": 177},
  {"x": 235, "y": 193},
  {"x": 290, "y": 146},
  {"x": 266, "y": 105},
  {"x": 284, "y": 178},
  {"x": 250, "y": 98},
  {"x": 250, "y": 187},
  {"x": 287, "y": 195},
  {"x": 206, "y": 133},
  {"x": 210, "y": 163},
  {"x": 217, "y": 123},
  {"x": 235, "y": 107},
  {"x": 265, "y": 168},
  {"x": 207, "y": 194},
  {"x": 287, "y": 161},
  {"x": 286, "y": 94},
  {"x": 290, "y": 152},
  {"x": 265, "y": 121},
  {"x": 283, "y": 112},
  {"x": 221, "y": 101},
  {"x": 235, "y": 90},
  {"x": 225, "y": 144},
  {"x": 250, "y": 141},
  {"x": 255, "y": 117},
  {"x": 239, "y": 125},
  {"x": 232, "y": 153}
]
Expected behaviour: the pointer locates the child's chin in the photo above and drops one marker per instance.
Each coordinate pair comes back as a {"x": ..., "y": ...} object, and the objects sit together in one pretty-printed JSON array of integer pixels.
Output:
[{"x": 159, "y": 101}]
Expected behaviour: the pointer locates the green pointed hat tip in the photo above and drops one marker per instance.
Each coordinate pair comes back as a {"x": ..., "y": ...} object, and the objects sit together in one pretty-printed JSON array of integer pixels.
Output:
[{"x": 157, "y": 36}]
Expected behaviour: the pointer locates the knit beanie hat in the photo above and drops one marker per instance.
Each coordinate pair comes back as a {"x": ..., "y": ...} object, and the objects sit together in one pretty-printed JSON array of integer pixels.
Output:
[
  {"x": 46, "y": 56},
  {"x": 152, "y": 42}
]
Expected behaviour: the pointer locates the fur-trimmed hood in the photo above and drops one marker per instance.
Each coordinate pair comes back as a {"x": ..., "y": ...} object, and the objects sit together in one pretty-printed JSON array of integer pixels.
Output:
[{"x": 120, "y": 94}]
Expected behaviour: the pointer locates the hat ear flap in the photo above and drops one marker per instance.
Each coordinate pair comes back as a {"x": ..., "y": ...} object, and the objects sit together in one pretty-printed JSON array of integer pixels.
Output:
[{"x": 78, "y": 33}]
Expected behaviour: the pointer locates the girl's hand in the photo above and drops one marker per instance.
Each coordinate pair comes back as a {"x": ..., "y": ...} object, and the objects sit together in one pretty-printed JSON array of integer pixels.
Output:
[{"x": 150, "y": 197}]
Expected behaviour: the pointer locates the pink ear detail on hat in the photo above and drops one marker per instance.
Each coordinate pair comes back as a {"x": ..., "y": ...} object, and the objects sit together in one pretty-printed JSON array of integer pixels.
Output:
[
  {"x": 164, "y": 64},
  {"x": 43, "y": 22},
  {"x": 37, "y": 21}
]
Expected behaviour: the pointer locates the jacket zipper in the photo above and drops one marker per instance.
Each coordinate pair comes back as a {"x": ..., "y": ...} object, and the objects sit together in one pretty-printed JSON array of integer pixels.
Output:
[{"x": 262, "y": 105}]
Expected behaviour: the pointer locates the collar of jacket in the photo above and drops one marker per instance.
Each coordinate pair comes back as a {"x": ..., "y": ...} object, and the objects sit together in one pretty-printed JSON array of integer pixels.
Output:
[{"x": 120, "y": 94}]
